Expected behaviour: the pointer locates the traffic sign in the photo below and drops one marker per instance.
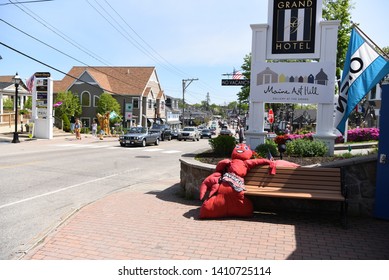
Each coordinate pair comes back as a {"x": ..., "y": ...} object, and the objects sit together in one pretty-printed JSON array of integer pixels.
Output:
[{"x": 235, "y": 82}]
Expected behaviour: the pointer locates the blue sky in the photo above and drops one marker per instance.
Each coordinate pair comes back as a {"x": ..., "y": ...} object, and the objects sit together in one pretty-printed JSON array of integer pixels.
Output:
[{"x": 184, "y": 39}]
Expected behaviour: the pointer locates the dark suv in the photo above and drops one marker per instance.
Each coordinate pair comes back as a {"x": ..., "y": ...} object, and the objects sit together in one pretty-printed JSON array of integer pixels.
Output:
[{"x": 163, "y": 129}]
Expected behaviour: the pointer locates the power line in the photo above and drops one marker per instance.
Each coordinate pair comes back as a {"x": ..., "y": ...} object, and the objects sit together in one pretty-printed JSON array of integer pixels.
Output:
[
  {"x": 24, "y": 2},
  {"x": 56, "y": 69},
  {"x": 60, "y": 34},
  {"x": 65, "y": 54}
]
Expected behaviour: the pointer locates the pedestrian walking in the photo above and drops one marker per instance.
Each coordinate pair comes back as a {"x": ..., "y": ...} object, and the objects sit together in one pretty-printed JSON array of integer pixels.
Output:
[
  {"x": 77, "y": 129},
  {"x": 94, "y": 128},
  {"x": 72, "y": 123}
]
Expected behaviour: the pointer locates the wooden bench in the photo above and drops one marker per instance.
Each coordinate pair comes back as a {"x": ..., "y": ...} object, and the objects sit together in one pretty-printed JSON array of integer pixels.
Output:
[{"x": 299, "y": 183}]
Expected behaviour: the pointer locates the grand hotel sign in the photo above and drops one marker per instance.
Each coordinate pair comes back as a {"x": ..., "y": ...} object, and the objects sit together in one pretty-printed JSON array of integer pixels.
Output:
[{"x": 294, "y": 27}]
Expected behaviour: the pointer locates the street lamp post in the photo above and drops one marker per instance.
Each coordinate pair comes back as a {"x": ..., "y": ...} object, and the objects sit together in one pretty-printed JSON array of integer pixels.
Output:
[{"x": 16, "y": 81}]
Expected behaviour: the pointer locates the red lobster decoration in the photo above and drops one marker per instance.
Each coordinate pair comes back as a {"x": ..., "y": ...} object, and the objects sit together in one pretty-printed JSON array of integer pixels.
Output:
[{"x": 225, "y": 187}]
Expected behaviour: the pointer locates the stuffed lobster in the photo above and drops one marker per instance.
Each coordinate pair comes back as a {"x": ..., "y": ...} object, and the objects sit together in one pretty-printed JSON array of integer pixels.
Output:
[{"x": 225, "y": 187}]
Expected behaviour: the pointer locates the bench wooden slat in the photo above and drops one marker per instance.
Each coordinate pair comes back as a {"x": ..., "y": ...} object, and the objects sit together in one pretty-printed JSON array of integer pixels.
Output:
[
  {"x": 296, "y": 185},
  {"x": 291, "y": 190},
  {"x": 258, "y": 177},
  {"x": 291, "y": 194},
  {"x": 307, "y": 171}
]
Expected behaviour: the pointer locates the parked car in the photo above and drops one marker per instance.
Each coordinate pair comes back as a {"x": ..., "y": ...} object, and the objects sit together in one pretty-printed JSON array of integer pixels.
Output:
[
  {"x": 139, "y": 136},
  {"x": 189, "y": 132},
  {"x": 205, "y": 133},
  {"x": 226, "y": 132},
  {"x": 175, "y": 133},
  {"x": 213, "y": 130},
  {"x": 163, "y": 130}
]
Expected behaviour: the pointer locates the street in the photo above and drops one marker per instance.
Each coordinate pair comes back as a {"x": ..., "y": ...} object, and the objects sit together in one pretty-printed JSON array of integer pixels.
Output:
[{"x": 45, "y": 181}]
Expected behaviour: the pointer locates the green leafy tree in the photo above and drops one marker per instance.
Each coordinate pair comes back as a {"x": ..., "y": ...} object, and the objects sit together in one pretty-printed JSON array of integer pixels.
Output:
[
  {"x": 8, "y": 104},
  {"x": 243, "y": 95},
  {"x": 108, "y": 104},
  {"x": 28, "y": 103},
  {"x": 70, "y": 106}
]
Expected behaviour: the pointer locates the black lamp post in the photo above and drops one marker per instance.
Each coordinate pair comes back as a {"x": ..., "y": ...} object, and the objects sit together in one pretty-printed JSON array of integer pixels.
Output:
[{"x": 16, "y": 81}]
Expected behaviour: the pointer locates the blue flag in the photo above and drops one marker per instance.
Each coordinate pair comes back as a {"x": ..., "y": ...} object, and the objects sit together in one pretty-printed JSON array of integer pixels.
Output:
[{"x": 363, "y": 69}]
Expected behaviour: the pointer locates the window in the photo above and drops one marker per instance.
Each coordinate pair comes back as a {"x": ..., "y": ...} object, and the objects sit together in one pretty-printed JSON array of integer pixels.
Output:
[
  {"x": 150, "y": 104},
  {"x": 85, "y": 99},
  {"x": 96, "y": 101},
  {"x": 135, "y": 103}
]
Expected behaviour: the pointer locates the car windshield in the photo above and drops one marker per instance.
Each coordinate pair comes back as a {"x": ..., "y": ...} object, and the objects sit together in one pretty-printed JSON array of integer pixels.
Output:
[
  {"x": 137, "y": 130},
  {"x": 205, "y": 130},
  {"x": 188, "y": 129},
  {"x": 158, "y": 126}
]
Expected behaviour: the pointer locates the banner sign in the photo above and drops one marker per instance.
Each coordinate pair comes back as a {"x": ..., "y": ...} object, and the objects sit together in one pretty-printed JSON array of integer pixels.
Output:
[
  {"x": 128, "y": 116},
  {"x": 129, "y": 107},
  {"x": 308, "y": 83},
  {"x": 294, "y": 28}
]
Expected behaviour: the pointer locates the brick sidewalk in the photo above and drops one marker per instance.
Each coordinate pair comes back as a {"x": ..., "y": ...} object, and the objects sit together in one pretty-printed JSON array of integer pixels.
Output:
[{"x": 162, "y": 225}]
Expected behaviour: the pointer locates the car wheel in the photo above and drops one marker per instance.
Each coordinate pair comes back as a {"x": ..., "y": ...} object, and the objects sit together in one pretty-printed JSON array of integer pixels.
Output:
[
  {"x": 144, "y": 143},
  {"x": 123, "y": 145},
  {"x": 170, "y": 138},
  {"x": 156, "y": 142}
]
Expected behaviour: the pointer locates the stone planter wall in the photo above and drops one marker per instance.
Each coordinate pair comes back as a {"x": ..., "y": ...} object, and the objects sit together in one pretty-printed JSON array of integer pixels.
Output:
[{"x": 360, "y": 180}]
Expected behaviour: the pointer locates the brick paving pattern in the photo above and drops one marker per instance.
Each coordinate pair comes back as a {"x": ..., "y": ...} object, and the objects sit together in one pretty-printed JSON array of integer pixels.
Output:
[{"x": 161, "y": 225}]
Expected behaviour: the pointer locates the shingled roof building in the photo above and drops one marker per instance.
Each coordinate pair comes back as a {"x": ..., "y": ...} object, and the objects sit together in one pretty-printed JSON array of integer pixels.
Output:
[{"x": 137, "y": 85}]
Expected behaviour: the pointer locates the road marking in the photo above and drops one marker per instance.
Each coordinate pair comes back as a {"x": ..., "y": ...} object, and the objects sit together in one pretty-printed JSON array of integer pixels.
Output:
[
  {"x": 56, "y": 191},
  {"x": 171, "y": 152},
  {"x": 107, "y": 146},
  {"x": 153, "y": 150},
  {"x": 18, "y": 165}
]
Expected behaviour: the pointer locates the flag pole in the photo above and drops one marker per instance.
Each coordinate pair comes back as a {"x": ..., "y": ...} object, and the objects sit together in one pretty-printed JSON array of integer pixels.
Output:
[{"x": 371, "y": 41}]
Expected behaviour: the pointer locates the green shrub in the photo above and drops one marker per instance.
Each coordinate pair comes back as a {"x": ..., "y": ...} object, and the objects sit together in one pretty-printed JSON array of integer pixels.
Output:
[
  {"x": 66, "y": 123},
  {"x": 223, "y": 145},
  {"x": 306, "y": 148},
  {"x": 85, "y": 130},
  {"x": 264, "y": 149}
]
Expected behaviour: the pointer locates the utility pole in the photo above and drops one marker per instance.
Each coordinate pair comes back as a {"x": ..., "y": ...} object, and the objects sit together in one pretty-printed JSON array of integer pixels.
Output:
[
  {"x": 208, "y": 101},
  {"x": 184, "y": 87}
]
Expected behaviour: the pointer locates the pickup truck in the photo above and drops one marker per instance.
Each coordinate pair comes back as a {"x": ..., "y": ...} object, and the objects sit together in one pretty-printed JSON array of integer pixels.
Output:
[
  {"x": 139, "y": 136},
  {"x": 163, "y": 130}
]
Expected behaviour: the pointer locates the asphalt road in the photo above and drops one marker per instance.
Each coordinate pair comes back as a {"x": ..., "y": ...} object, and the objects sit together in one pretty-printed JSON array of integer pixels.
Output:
[{"x": 42, "y": 182}]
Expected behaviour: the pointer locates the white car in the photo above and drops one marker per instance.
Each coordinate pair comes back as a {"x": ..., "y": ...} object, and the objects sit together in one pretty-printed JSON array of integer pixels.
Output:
[{"x": 189, "y": 132}]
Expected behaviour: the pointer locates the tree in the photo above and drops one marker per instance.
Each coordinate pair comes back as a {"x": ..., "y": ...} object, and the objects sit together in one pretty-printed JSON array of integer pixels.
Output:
[
  {"x": 340, "y": 10},
  {"x": 28, "y": 103},
  {"x": 108, "y": 104},
  {"x": 243, "y": 95},
  {"x": 70, "y": 106}
]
